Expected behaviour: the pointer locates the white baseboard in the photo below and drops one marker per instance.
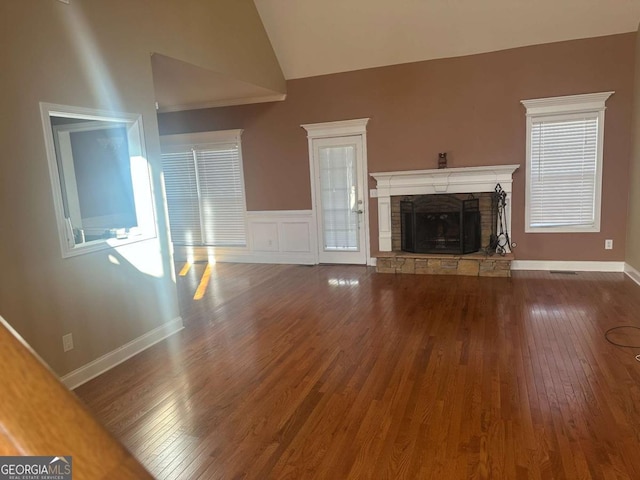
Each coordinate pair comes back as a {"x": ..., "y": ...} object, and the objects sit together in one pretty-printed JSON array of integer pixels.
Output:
[
  {"x": 570, "y": 266},
  {"x": 373, "y": 261},
  {"x": 632, "y": 273},
  {"x": 108, "y": 361}
]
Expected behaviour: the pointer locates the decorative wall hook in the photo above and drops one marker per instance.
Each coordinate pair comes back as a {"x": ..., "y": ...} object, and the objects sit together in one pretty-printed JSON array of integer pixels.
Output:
[{"x": 442, "y": 160}]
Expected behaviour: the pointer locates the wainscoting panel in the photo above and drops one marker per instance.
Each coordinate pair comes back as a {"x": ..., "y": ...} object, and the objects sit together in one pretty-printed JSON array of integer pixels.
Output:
[
  {"x": 296, "y": 236},
  {"x": 283, "y": 236},
  {"x": 264, "y": 236}
]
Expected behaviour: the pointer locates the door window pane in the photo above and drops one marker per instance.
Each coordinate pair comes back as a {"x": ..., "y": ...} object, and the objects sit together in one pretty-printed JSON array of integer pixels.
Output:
[{"x": 338, "y": 189}]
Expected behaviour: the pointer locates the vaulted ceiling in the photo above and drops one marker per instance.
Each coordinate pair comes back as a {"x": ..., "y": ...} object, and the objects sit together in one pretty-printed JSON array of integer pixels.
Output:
[{"x": 319, "y": 37}]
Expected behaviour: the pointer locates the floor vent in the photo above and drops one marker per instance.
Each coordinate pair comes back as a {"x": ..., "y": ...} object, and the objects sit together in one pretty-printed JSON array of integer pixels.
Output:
[{"x": 563, "y": 272}]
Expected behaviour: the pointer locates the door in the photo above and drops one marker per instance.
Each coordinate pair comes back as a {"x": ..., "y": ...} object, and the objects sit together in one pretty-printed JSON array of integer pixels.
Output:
[{"x": 339, "y": 198}]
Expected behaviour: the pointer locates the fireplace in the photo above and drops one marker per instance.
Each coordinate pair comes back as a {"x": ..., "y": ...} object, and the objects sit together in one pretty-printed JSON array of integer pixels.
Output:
[
  {"x": 437, "y": 181},
  {"x": 393, "y": 188},
  {"x": 440, "y": 224}
]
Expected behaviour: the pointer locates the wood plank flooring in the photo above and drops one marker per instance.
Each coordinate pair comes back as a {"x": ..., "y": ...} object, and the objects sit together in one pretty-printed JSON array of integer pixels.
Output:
[{"x": 335, "y": 372}]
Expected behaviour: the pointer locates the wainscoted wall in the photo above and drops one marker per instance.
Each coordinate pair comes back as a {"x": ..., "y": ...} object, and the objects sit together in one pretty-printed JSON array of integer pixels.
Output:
[
  {"x": 466, "y": 106},
  {"x": 284, "y": 236}
]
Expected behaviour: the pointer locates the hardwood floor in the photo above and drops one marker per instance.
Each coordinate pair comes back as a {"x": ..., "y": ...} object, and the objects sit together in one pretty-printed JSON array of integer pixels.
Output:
[{"x": 330, "y": 372}]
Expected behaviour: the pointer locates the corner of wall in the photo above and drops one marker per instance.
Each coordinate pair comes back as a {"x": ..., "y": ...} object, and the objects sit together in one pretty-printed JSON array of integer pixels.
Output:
[{"x": 632, "y": 254}]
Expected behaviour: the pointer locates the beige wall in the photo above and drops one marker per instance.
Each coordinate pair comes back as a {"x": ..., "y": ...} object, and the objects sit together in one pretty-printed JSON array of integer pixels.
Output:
[
  {"x": 633, "y": 230},
  {"x": 467, "y": 106},
  {"x": 97, "y": 54}
]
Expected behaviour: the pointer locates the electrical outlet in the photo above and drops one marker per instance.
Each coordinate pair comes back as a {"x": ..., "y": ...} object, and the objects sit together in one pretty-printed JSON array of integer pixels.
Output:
[
  {"x": 67, "y": 342},
  {"x": 608, "y": 244}
]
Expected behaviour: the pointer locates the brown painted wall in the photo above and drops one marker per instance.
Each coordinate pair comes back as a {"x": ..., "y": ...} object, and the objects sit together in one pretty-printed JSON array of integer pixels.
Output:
[
  {"x": 633, "y": 230},
  {"x": 467, "y": 106}
]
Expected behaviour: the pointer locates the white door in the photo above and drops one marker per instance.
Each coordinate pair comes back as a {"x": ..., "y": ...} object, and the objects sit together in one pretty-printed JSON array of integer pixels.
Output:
[{"x": 339, "y": 197}]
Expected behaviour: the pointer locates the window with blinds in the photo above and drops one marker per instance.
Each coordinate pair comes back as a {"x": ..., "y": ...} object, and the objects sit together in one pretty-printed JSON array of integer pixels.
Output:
[
  {"x": 205, "y": 194},
  {"x": 564, "y": 163}
]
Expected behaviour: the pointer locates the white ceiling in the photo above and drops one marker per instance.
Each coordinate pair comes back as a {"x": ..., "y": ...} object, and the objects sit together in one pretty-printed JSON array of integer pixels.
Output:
[{"x": 317, "y": 37}]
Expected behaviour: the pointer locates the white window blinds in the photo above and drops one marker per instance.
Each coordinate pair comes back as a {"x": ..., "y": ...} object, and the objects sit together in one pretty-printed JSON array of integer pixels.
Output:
[
  {"x": 182, "y": 198},
  {"x": 565, "y": 137},
  {"x": 563, "y": 170},
  {"x": 221, "y": 196},
  {"x": 205, "y": 195}
]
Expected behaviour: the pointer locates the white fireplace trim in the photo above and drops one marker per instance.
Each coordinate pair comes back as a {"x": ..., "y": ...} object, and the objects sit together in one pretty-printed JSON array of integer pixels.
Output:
[{"x": 427, "y": 182}]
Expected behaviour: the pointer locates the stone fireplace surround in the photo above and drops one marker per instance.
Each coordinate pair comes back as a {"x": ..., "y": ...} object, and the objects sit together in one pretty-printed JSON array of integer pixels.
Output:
[{"x": 463, "y": 180}]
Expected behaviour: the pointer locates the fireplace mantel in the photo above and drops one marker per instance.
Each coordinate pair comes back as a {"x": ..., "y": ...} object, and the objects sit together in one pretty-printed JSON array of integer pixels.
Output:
[{"x": 427, "y": 182}]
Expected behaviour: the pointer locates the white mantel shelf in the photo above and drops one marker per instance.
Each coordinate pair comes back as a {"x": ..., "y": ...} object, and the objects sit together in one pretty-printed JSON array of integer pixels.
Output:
[
  {"x": 444, "y": 180},
  {"x": 434, "y": 181}
]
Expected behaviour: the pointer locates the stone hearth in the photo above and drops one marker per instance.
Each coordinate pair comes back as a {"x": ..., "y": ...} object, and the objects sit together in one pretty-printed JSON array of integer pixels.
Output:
[{"x": 475, "y": 264}]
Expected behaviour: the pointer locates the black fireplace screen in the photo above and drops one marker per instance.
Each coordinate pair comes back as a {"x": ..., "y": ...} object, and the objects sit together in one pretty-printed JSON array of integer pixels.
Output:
[{"x": 440, "y": 224}]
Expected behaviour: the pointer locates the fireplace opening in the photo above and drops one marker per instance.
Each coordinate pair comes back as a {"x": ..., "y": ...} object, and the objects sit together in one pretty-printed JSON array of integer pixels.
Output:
[{"x": 440, "y": 224}]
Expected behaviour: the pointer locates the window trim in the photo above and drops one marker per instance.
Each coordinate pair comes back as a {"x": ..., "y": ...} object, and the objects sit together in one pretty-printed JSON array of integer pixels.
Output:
[
  {"x": 562, "y": 107},
  {"x": 177, "y": 143},
  {"x": 144, "y": 191}
]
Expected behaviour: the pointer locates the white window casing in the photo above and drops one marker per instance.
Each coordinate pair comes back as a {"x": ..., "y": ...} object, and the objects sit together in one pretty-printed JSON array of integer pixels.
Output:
[
  {"x": 564, "y": 150},
  {"x": 204, "y": 184},
  {"x": 104, "y": 224}
]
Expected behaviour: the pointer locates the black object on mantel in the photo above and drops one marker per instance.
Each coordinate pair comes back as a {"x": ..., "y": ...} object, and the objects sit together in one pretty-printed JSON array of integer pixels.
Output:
[{"x": 442, "y": 160}]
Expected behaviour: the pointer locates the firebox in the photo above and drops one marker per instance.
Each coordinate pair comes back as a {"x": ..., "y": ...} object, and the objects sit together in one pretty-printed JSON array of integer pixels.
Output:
[{"x": 440, "y": 224}]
